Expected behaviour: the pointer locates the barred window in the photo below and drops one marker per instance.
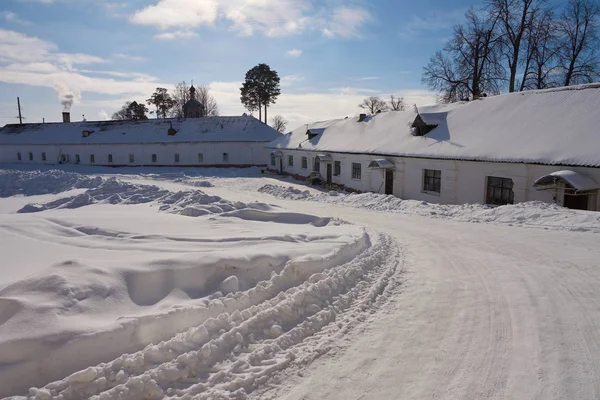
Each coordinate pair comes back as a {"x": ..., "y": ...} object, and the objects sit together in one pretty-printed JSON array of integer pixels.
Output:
[
  {"x": 317, "y": 165},
  {"x": 131, "y": 158},
  {"x": 19, "y": 156},
  {"x": 77, "y": 158},
  {"x": 43, "y": 156},
  {"x": 30, "y": 156},
  {"x": 499, "y": 191},
  {"x": 291, "y": 161},
  {"x": 432, "y": 180},
  {"x": 272, "y": 160},
  {"x": 110, "y": 158},
  {"x": 356, "y": 171},
  {"x": 200, "y": 158},
  {"x": 154, "y": 158},
  {"x": 92, "y": 159},
  {"x": 304, "y": 163},
  {"x": 337, "y": 168},
  {"x": 225, "y": 157},
  {"x": 176, "y": 157}
]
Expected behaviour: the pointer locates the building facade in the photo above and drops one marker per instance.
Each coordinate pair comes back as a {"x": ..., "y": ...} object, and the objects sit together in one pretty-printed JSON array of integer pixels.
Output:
[
  {"x": 534, "y": 146},
  {"x": 191, "y": 142}
]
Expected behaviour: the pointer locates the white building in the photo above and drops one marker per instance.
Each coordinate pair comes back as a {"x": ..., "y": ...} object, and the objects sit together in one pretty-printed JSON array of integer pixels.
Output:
[
  {"x": 198, "y": 142},
  {"x": 537, "y": 145}
]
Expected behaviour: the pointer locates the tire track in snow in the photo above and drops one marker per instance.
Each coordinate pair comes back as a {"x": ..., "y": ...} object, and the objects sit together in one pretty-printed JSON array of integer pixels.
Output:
[{"x": 235, "y": 353}]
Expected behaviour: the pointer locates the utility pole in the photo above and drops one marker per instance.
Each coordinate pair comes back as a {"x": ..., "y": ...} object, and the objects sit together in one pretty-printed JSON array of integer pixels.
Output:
[{"x": 20, "y": 116}]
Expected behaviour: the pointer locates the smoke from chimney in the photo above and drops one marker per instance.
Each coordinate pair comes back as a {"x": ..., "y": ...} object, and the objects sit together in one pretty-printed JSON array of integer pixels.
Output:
[{"x": 66, "y": 96}]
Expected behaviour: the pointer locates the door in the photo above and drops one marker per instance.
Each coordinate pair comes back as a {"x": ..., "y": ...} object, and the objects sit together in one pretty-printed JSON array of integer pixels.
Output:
[
  {"x": 389, "y": 181},
  {"x": 576, "y": 202},
  {"x": 281, "y": 165},
  {"x": 329, "y": 173}
]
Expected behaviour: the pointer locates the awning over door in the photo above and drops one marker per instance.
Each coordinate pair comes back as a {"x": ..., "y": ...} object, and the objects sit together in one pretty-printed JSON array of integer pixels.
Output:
[
  {"x": 324, "y": 157},
  {"x": 382, "y": 163},
  {"x": 572, "y": 179},
  {"x": 276, "y": 153}
]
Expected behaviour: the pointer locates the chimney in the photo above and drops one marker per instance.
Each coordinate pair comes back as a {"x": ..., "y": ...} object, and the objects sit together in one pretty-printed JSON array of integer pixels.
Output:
[
  {"x": 66, "y": 117},
  {"x": 362, "y": 117}
]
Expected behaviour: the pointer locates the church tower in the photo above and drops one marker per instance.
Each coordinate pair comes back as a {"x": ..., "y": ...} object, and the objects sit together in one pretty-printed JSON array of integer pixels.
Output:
[{"x": 192, "y": 108}]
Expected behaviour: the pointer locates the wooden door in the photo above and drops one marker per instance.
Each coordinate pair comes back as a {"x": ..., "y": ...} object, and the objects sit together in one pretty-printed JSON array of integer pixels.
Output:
[
  {"x": 389, "y": 181},
  {"x": 329, "y": 173},
  {"x": 576, "y": 202}
]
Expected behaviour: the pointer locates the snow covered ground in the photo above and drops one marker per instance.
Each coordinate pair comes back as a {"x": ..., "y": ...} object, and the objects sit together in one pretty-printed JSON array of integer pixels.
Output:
[{"x": 186, "y": 284}]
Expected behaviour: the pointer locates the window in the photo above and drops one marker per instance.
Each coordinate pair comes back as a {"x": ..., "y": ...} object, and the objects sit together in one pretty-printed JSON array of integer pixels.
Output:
[
  {"x": 304, "y": 163},
  {"x": 272, "y": 160},
  {"x": 432, "y": 180},
  {"x": 92, "y": 159},
  {"x": 337, "y": 168},
  {"x": 19, "y": 156},
  {"x": 110, "y": 158},
  {"x": 153, "y": 157},
  {"x": 201, "y": 158},
  {"x": 30, "y": 156},
  {"x": 176, "y": 157},
  {"x": 226, "y": 157},
  {"x": 77, "y": 158},
  {"x": 131, "y": 158},
  {"x": 43, "y": 156},
  {"x": 317, "y": 166},
  {"x": 356, "y": 171},
  {"x": 291, "y": 161},
  {"x": 499, "y": 191}
]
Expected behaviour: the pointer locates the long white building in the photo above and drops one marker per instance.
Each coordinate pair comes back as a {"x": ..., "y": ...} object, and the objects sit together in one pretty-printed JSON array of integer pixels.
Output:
[
  {"x": 537, "y": 145},
  {"x": 199, "y": 142}
]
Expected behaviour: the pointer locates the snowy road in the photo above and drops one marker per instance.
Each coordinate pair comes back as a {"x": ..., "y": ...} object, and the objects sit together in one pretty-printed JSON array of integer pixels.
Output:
[{"x": 487, "y": 312}]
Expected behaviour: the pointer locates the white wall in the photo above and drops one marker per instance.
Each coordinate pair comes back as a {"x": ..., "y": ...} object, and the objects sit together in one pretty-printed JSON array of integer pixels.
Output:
[
  {"x": 240, "y": 153},
  {"x": 461, "y": 181}
]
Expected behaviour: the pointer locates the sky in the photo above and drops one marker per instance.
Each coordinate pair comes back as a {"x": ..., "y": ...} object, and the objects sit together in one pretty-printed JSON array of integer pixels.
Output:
[{"x": 330, "y": 54}]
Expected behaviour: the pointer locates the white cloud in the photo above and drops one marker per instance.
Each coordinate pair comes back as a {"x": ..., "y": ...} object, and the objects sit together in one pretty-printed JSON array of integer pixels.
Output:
[
  {"x": 367, "y": 78},
  {"x": 177, "y": 14},
  {"x": 432, "y": 21},
  {"x": 248, "y": 17},
  {"x": 289, "y": 80},
  {"x": 128, "y": 57},
  {"x": 103, "y": 115},
  {"x": 294, "y": 53},
  {"x": 346, "y": 22},
  {"x": 176, "y": 35},
  {"x": 31, "y": 61},
  {"x": 10, "y": 16}
]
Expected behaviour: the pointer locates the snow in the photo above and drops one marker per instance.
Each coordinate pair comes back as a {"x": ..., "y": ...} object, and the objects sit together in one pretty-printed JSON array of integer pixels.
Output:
[
  {"x": 530, "y": 214},
  {"x": 555, "y": 126},
  {"x": 210, "y": 129},
  {"x": 572, "y": 178},
  {"x": 287, "y": 292}
]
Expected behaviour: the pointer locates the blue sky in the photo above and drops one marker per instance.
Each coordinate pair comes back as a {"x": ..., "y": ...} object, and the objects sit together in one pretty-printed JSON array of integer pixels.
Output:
[{"x": 329, "y": 53}]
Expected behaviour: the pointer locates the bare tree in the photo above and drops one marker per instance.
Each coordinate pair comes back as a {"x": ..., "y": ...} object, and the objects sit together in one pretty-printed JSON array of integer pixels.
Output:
[
  {"x": 469, "y": 64},
  {"x": 515, "y": 18},
  {"x": 578, "y": 42},
  {"x": 181, "y": 95},
  {"x": 210, "y": 108},
  {"x": 373, "y": 104},
  {"x": 279, "y": 123},
  {"x": 396, "y": 103},
  {"x": 539, "y": 69}
]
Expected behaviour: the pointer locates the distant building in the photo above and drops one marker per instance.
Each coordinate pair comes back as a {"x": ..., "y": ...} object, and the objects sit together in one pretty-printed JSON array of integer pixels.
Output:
[
  {"x": 536, "y": 145},
  {"x": 191, "y": 142},
  {"x": 193, "y": 108}
]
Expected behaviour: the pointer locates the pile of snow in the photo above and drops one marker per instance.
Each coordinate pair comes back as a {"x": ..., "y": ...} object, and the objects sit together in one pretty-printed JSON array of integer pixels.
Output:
[
  {"x": 535, "y": 213},
  {"x": 29, "y": 183},
  {"x": 99, "y": 273},
  {"x": 242, "y": 340}
]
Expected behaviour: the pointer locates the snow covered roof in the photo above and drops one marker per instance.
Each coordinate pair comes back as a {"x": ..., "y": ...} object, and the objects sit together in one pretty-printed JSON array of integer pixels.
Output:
[
  {"x": 556, "y": 126},
  {"x": 209, "y": 129},
  {"x": 575, "y": 180}
]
